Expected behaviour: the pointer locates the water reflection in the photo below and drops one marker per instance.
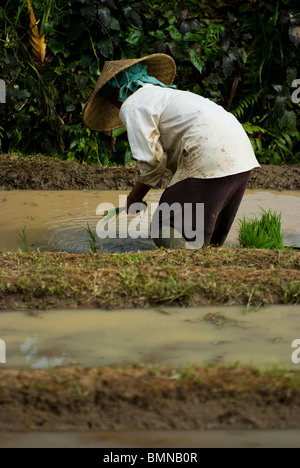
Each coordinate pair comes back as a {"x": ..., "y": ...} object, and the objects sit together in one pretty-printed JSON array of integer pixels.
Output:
[
  {"x": 177, "y": 337},
  {"x": 30, "y": 349}
]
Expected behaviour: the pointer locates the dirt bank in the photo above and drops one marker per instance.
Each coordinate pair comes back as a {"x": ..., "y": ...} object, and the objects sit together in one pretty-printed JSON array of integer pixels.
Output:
[
  {"x": 205, "y": 277},
  {"x": 138, "y": 398},
  {"x": 43, "y": 173}
]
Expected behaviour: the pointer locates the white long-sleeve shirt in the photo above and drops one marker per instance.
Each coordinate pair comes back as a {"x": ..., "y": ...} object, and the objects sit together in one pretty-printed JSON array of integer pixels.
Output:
[{"x": 186, "y": 133}]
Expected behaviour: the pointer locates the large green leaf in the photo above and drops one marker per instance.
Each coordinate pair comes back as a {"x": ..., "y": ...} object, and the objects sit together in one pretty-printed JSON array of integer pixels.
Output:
[
  {"x": 196, "y": 60},
  {"x": 115, "y": 25},
  {"x": 58, "y": 46},
  {"x": 81, "y": 80},
  {"x": 174, "y": 33},
  {"x": 118, "y": 131},
  {"x": 134, "y": 36},
  {"x": 104, "y": 15},
  {"x": 106, "y": 48},
  {"x": 89, "y": 13}
]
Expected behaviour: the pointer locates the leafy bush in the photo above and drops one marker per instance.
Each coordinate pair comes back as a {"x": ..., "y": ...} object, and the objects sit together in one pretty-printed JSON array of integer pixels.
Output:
[{"x": 242, "y": 54}]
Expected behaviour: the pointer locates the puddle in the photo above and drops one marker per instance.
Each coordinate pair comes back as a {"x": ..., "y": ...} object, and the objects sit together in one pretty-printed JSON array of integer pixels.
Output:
[
  {"x": 168, "y": 336},
  {"x": 57, "y": 220}
]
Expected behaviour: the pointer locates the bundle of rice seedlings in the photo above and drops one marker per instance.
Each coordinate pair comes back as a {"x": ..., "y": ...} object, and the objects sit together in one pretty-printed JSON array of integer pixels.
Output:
[{"x": 263, "y": 233}]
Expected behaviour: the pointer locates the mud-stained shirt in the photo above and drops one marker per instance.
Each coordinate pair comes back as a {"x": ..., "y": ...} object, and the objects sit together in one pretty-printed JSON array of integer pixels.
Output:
[{"x": 186, "y": 133}]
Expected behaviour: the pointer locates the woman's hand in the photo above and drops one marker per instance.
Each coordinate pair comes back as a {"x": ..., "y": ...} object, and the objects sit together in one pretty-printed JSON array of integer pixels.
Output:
[
  {"x": 136, "y": 196},
  {"x": 134, "y": 207}
]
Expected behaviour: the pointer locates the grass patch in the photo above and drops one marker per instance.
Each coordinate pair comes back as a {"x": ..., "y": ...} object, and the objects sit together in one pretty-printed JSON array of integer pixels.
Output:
[
  {"x": 263, "y": 233},
  {"x": 156, "y": 289},
  {"x": 291, "y": 292},
  {"x": 143, "y": 279}
]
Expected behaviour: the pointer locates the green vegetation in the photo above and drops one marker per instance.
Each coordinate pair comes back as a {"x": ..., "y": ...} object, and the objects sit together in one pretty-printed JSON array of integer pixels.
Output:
[
  {"x": 291, "y": 292},
  {"x": 243, "y": 54},
  {"x": 111, "y": 213},
  {"x": 23, "y": 237},
  {"x": 263, "y": 233},
  {"x": 157, "y": 289},
  {"x": 92, "y": 239},
  {"x": 37, "y": 280}
]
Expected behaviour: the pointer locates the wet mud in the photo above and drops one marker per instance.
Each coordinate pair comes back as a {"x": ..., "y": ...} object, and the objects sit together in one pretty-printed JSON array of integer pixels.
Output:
[{"x": 44, "y": 173}]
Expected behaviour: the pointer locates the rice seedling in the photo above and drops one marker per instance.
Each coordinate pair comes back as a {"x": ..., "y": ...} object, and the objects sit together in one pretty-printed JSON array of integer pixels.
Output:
[
  {"x": 117, "y": 211},
  {"x": 23, "y": 236},
  {"x": 92, "y": 239},
  {"x": 113, "y": 212},
  {"x": 263, "y": 233}
]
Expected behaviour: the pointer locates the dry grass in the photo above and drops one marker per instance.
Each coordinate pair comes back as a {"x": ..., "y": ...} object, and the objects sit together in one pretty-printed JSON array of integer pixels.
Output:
[{"x": 202, "y": 277}]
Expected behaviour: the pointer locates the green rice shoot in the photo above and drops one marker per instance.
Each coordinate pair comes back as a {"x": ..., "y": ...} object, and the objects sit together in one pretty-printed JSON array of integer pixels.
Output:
[
  {"x": 263, "y": 233},
  {"x": 111, "y": 213}
]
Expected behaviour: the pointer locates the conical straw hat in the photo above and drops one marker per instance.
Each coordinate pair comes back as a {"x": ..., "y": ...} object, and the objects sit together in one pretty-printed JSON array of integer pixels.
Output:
[{"x": 99, "y": 114}]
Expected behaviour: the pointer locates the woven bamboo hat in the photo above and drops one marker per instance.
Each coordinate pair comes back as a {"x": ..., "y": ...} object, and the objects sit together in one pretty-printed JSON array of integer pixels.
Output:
[{"x": 98, "y": 113}]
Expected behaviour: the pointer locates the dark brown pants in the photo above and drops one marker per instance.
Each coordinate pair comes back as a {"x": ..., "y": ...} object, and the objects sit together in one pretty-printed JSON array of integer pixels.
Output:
[{"x": 221, "y": 198}]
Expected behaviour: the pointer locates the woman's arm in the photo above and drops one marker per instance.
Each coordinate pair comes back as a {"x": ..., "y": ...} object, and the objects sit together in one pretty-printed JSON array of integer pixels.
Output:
[{"x": 137, "y": 194}]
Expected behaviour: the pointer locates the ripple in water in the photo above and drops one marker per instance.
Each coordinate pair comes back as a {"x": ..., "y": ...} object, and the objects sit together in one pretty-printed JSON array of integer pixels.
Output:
[{"x": 70, "y": 235}]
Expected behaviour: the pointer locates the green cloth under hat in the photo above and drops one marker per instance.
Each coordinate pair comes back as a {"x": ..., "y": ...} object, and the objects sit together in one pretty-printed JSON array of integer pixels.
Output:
[{"x": 130, "y": 80}]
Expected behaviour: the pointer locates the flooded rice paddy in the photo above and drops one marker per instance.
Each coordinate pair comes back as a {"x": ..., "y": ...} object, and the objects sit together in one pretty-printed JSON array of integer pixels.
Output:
[
  {"x": 58, "y": 220},
  {"x": 173, "y": 336}
]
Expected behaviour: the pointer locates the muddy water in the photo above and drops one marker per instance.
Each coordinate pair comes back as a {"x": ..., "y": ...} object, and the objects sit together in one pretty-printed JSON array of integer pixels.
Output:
[
  {"x": 166, "y": 336},
  {"x": 58, "y": 220},
  {"x": 157, "y": 439}
]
